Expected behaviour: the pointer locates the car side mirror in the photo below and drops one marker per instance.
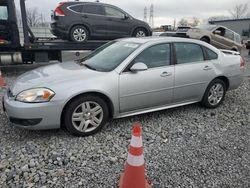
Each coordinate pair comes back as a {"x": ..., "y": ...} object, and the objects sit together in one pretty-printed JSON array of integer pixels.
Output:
[
  {"x": 125, "y": 17},
  {"x": 139, "y": 67},
  {"x": 217, "y": 32}
]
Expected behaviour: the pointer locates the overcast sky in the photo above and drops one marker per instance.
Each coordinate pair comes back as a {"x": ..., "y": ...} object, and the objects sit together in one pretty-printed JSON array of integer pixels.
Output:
[{"x": 165, "y": 11}]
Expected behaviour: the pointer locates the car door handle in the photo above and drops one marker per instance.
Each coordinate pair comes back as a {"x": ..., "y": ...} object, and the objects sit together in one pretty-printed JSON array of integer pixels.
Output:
[
  {"x": 110, "y": 19},
  {"x": 85, "y": 16},
  {"x": 207, "y": 68},
  {"x": 165, "y": 74}
]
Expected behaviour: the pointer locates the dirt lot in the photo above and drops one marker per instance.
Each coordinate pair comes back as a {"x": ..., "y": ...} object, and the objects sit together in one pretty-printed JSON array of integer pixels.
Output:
[{"x": 184, "y": 147}]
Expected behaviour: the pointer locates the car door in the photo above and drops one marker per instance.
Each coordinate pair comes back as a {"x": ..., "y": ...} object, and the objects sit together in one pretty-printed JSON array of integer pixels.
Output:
[
  {"x": 217, "y": 38},
  {"x": 118, "y": 23},
  {"x": 229, "y": 39},
  {"x": 192, "y": 73},
  {"x": 149, "y": 88},
  {"x": 93, "y": 16}
]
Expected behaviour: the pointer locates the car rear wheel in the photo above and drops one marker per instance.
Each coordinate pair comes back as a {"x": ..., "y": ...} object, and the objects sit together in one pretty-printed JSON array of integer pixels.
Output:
[
  {"x": 85, "y": 115},
  {"x": 205, "y": 39},
  {"x": 140, "y": 32},
  {"x": 79, "y": 34},
  {"x": 215, "y": 94}
]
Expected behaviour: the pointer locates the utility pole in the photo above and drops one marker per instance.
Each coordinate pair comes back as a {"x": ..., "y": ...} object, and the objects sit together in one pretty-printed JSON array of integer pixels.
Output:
[
  {"x": 151, "y": 17},
  {"x": 145, "y": 14}
]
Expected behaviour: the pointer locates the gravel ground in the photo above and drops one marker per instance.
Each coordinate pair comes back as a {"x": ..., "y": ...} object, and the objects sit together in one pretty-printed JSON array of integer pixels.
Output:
[{"x": 184, "y": 147}]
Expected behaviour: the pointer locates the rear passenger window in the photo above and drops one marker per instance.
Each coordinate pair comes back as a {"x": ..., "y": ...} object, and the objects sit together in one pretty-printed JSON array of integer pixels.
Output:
[
  {"x": 155, "y": 56},
  {"x": 188, "y": 53},
  {"x": 210, "y": 54},
  {"x": 93, "y": 9},
  {"x": 76, "y": 8},
  {"x": 229, "y": 35}
]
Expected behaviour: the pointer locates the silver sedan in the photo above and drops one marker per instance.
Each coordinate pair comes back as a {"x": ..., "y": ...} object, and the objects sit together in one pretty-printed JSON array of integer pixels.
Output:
[{"x": 122, "y": 78}]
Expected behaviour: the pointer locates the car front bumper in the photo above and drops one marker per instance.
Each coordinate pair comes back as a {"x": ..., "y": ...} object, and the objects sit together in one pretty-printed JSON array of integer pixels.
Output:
[{"x": 33, "y": 116}]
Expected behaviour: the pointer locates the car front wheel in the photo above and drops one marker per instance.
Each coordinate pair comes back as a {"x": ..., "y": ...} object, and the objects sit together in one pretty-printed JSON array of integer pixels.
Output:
[
  {"x": 85, "y": 115},
  {"x": 205, "y": 39},
  {"x": 140, "y": 32},
  {"x": 215, "y": 94}
]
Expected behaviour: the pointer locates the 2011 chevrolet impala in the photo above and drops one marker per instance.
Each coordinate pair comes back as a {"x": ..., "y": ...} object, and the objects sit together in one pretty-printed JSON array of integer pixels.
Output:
[{"x": 123, "y": 78}]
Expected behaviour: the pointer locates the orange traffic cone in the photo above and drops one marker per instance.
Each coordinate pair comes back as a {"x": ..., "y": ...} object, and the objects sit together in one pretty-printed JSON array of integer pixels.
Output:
[
  {"x": 2, "y": 82},
  {"x": 134, "y": 174}
]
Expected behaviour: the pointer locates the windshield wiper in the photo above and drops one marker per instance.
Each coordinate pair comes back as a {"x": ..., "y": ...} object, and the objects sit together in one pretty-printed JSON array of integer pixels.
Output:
[{"x": 90, "y": 67}]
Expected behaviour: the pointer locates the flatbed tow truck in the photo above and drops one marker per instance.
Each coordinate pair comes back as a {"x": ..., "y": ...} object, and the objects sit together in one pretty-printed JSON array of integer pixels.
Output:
[{"x": 33, "y": 49}]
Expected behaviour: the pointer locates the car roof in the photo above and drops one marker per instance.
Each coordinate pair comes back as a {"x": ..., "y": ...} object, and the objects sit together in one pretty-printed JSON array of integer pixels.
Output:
[
  {"x": 85, "y": 2},
  {"x": 153, "y": 39}
]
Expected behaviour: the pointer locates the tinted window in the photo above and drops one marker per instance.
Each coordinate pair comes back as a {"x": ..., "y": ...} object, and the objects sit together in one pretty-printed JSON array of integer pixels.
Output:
[
  {"x": 77, "y": 8},
  {"x": 155, "y": 56},
  {"x": 109, "y": 56},
  {"x": 93, "y": 9},
  {"x": 229, "y": 34},
  {"x": 113, "y": 12},
  {"x": 210, "y": 54},
  {"x": 3, "y": 13},
  {"x": 188, "y": 53}
]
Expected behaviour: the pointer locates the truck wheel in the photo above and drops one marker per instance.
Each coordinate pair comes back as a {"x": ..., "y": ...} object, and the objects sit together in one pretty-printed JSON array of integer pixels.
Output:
[
  {"x": 85, "y": 115},
  {"x": 140, "y": 32},
  {"x": 215, "y": 94},
  {"x": 205, "y": 39},
  {"x": 79, "y": 34}
]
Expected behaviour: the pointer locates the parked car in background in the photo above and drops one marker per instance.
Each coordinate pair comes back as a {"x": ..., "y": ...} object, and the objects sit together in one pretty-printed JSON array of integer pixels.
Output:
[
  {"x": 80, "y": 21},
  {"x": 218, "y": 36},
  {"x": 182, "y": 31},
  {"x": 123, "y": 78},
  {"x": 164, "y": 34}
]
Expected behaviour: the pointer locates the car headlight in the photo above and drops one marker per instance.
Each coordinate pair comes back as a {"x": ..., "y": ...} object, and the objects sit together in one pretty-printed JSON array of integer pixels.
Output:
[{"x": 35, "y": 95}]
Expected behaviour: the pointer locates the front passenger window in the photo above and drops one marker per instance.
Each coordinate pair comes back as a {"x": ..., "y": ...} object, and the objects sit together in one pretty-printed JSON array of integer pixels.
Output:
[
  {"x": 113, "y": 12},
  {"x": 155, "y": 56},
  {"x": 188, "y": 53}
]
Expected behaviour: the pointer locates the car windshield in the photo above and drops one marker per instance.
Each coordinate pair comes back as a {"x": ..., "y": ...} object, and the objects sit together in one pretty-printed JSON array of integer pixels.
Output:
[
  {"x": 109, "y": 56},
  {"x": 207, "y": 27}
]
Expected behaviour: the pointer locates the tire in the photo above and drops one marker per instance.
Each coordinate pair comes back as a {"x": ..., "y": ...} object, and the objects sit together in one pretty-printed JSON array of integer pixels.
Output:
[
  {"x": 79, "y": 34},
  {"x": 79, "y": 118},
  {"x": 140, "y": 32},
  {"x": 209, "y": 99},
  {"x": 205, "y": 39}
]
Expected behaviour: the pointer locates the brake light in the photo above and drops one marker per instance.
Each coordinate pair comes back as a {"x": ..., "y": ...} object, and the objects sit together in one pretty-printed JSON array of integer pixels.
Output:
[
  {"x": 242, "y": 63},
  {"x": 58, "y": 11}
]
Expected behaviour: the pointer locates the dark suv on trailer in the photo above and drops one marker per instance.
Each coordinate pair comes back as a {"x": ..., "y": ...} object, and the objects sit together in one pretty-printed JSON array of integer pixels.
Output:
[{"x": 80, "y": 21}]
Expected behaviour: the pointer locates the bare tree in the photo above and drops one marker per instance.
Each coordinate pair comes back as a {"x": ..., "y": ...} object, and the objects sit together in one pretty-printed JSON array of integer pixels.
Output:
[
  {"x": 195, "y": 22},
  {"x": 183, "y": 22},
  {"x": 33, "y": 17},
  {"x": 239, "y": 11}
]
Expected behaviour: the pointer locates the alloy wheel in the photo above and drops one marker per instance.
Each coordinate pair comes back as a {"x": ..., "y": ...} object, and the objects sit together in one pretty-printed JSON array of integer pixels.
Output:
[
  {"x": 140, "y": 34},
  {"x": 79, "y": 34},
  {"x": 216, "y": 94},
  {"x": 87, "y": 116}
]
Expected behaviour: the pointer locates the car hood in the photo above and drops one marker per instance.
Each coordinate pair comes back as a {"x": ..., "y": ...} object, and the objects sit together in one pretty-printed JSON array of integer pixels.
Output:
[{"x": 53, "y": 74}]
